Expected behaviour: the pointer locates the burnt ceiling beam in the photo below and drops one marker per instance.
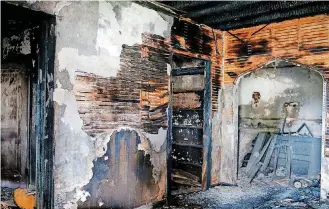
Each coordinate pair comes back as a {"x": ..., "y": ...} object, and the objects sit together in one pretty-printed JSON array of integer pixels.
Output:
[
  {"x": 186, "y": 4},
  {"x": 251, "y": 10},
  {"x": 160, "y": 7},
  {"x": 310, "y": 9},
  {"x": 233, "y": 5}
]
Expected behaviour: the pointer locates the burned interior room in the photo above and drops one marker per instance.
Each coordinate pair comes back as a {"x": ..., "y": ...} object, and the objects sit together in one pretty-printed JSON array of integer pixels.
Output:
[{"x": 164, "y": 104}]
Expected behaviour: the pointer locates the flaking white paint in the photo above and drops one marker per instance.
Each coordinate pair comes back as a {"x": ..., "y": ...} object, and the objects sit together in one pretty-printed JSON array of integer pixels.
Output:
[
  {"x": 157, "y": 140},
  {"x": 112, "y": 34},
  {"x": 23, "y": 44},
  {"x": 72, "y": 119},
  {"x": 79, "y": 195},
  {"x": 324, "y": 178}
]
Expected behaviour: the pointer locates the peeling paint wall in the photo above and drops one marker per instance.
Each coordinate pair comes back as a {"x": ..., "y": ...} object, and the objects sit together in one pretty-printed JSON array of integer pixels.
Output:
[
  {"x": 16, "y": 44},
  {"x": 16, "y": 41},
  {"x": 103, "y": 48},
  {"x": 105, "y": 73},
  {"x": 105, "y": 85}
]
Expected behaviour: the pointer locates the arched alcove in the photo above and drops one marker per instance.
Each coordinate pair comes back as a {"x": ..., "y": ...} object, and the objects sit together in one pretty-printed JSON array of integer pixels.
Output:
[{"x": 284, "y": 101}]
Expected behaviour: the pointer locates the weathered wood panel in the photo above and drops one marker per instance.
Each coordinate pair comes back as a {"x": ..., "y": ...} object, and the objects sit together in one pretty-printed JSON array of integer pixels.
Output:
[
  {"x": 207, "y": 44},
  {"x": 190, "y": 100},
  {"x": 14, "y": 122},
  {"x": 188, "y": 83},
  {"x": 188, "y": 155},
  {"x": 192, "y": 118}
]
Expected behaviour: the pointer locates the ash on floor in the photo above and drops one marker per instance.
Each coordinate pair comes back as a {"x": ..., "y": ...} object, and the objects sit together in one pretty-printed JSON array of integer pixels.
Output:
[
  {"x": 257, "y": 195},
  {"x": 7, "y": 198}
]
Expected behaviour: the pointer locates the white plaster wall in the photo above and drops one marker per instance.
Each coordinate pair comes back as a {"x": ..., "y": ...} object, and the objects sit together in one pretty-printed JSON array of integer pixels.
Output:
[
  {"x": 324, "y": 160},
  {"x": 228, "y": 171},
  {"x": 279, "y": 85}
]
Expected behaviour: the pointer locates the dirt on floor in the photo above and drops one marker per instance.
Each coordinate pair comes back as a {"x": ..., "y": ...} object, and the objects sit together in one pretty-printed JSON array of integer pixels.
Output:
[{"x": 262, "y": 193}]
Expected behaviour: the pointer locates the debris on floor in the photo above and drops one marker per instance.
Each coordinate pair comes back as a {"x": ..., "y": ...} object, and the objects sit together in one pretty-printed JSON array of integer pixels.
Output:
[
  {"x": 12, "y": 198},
  {"x": 285, "y": 156},
  {"x": 260, "y": 194},
  {"x": 7, "y": 200}
]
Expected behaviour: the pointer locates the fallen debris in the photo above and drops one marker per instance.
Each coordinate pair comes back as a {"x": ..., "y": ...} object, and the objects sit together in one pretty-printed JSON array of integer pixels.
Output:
[
  {"x": 185, "y": 178},
  {"x": 277, "y": 155},
  {"x": 251, "y": 195}
]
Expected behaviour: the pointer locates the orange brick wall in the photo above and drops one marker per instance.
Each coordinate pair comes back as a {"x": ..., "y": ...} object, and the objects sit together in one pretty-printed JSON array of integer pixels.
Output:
[{"x": 304, "y": 41}]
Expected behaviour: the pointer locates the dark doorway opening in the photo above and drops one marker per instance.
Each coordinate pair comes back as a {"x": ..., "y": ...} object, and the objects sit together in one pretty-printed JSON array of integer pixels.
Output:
[
  {"x": 189, "y": 127},
  {"x": 28, "y": 52}
]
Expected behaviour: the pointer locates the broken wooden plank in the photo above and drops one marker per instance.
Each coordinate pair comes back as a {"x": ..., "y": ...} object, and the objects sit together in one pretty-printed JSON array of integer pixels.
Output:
[
  {"x": 256, "y": 162},
  {"x": 187, "y": 182},
  {"x": 188, "y": 83},
  {"x": 269, "y": 153},
  {"x": 276, "y": 157},
  {"x": 289, "y": 149},
  {"x": 179, "y": 178},
  {"x": 185, "y": 174},
  {"x": 188, "y": 71},
  {"x": 255, "y": 151},
  {"x": 254, "y": 172}
]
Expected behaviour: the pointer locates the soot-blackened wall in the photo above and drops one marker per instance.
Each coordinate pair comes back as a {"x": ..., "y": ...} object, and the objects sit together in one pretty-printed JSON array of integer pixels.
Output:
[{"x": 110, "y": 78}]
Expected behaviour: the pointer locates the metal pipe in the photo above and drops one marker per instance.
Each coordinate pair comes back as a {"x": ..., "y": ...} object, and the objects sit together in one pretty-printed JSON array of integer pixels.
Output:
[
  {"x": 312, "y": 9},
  {"x": 250, "y": 10},
  {"x": 234, "y": 5}
]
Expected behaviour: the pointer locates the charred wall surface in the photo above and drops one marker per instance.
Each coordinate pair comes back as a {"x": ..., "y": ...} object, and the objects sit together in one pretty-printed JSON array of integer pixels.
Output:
[
  {"x": 16, "y": 63},
  {"x": 205, "y": 43},
  {"x": 110, "y": 102},
  {"x": 303, "y": 41},
  {"x": 19, "y": 38},
  {"x": 120, "y": 88},
  {"x": 111, "y": 75}
]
